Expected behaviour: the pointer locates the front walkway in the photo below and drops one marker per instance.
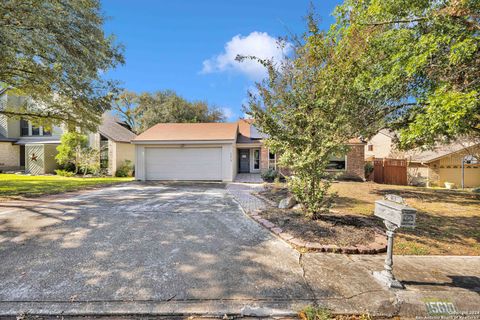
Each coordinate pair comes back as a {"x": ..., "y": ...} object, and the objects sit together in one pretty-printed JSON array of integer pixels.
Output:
[
  {"x": 248, "y": 178},
  {"x": 243, "y": 193}
]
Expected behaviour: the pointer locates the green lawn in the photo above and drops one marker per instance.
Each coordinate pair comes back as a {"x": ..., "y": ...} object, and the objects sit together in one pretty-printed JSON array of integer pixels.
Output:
[{"x": 15, "y": 186}]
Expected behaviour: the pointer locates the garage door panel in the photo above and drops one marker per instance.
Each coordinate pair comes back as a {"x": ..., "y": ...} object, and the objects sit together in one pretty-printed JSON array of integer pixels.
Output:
[{"x": 183, "y": 163}]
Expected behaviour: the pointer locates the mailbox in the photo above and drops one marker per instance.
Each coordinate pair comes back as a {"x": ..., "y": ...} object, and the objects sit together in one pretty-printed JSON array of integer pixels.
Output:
[{"x": 395, "y": 212}]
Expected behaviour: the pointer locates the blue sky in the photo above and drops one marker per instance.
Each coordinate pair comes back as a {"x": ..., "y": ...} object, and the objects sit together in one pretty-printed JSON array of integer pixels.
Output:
[{"x": 188, "y": 46}]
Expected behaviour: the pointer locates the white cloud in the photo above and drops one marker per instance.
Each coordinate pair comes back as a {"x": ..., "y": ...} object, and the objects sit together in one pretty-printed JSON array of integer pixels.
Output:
[
  {"x": 258, "y": 44},
  {"x": 229, "y": 114}
]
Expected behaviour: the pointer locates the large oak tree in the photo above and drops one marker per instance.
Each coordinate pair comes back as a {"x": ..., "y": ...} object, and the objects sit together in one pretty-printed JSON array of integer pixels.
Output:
[
  {"x": 56, "y": 53},
  {"x": 418, "y": 61},
  {"x": 144, "y": 110}
]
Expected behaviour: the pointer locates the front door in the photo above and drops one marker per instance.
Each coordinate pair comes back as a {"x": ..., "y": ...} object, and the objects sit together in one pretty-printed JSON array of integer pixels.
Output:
[
  {"x": 22, "y": 156},
  {"x": 244, "y": 160}
]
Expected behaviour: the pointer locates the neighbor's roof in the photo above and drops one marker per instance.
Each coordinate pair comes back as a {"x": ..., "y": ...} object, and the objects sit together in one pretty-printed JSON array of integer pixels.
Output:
[
  {"x": 356, "y": 141},
  {"x": 112, "y": 129},
  {"x": 190, "y": 132},
  {"x": 438, "y": 152}
]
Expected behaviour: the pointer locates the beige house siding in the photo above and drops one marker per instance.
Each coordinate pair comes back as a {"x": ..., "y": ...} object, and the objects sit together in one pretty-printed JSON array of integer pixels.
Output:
[
  {"x": 9, "y": 155},
  {"x": 417, "y": 174},
  {"x": 123, "y": 151},
  {"x": 13, "y": 128},
  {"x": 446, "y": 169},
  {"x": 382, "y": 146},
  {"x": 450, "y": 170},
  {"x": 50, "y": 151}
]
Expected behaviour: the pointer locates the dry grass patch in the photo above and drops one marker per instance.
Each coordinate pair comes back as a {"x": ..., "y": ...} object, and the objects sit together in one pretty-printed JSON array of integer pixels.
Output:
[{"x": 448, "y": 221}]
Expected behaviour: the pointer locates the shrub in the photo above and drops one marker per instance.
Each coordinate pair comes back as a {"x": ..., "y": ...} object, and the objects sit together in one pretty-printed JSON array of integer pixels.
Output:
[
  {"x": 70, "y": 149},
  {"x": 368, "y": 169},
  {"x": 315, "y": 313},
  {"x": 476, "y": 190},
  {"x": 64, "y": 173},
  {"x": 89, "y": 161},
  {"x": 312, "y": 194},
  {"x": 270, "y": 175},
  {"x": 125, "y": 170}
]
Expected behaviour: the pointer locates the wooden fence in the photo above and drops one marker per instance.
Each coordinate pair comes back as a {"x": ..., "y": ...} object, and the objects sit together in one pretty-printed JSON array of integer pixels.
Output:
[{"x": 390, "y": 171}]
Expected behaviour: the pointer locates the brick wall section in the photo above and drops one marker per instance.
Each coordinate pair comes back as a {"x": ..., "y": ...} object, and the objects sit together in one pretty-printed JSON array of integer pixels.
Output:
[
  {"x": 9, "y": 155},
  {"x": 356, "y": 162},
  {"x": 263, "y": 158}
]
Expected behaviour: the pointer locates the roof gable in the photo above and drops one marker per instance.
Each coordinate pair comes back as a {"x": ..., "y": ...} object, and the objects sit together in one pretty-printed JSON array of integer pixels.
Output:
[
  {"x": 113, "y": 130},
  {"x": 440, "y": 151}
]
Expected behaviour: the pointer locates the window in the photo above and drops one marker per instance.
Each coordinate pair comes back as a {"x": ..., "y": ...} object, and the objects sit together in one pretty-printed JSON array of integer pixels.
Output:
[
  {"x": 272, "y": 160},
  {"x": 256, "y": 159},
  {"x": 35, "y": 131},
  {"x": 23, "y": 127},
  {"x": 46, "y": 132},
  {"x": 370, "y": 147},
  {"x": 337, "y": 163},
  {"x": 103, "y": 152}
]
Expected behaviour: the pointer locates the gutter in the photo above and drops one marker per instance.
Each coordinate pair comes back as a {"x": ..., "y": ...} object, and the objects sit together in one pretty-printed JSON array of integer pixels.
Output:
[{"x": 169, "y": 142}]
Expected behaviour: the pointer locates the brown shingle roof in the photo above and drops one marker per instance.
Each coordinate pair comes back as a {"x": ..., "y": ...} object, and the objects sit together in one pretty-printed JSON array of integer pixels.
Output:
[
  {"x": 439, "y": 151},
  {"x": 113, "y": 130},
  {"x": 189, "y": 132}
]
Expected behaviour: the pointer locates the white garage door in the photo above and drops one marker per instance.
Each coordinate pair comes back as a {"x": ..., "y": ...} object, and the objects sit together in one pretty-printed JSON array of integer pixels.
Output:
[{"x": 183, "y": 163}]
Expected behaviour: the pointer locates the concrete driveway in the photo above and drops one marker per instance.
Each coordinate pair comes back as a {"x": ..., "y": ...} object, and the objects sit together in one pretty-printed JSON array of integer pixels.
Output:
[{"x": 143, "y": 248}]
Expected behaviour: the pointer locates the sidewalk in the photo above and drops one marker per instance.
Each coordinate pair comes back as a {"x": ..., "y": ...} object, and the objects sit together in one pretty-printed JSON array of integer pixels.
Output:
[{"x": 344, "y": 283}]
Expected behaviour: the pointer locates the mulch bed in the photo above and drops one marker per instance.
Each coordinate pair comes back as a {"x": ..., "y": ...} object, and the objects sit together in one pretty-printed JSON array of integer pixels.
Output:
[{"x": 333, "y": 232}]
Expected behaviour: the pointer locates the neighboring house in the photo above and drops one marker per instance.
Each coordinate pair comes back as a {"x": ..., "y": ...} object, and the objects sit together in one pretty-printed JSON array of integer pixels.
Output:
[
  {"x": 216, "y": 151},
  {"x": 380, "y": 145},
  {"x": 429, "y": 168},
  {"x": 113, "y": 140},
  {"x": 24, "y": 146},
  {"x": 444, "y": 164}
]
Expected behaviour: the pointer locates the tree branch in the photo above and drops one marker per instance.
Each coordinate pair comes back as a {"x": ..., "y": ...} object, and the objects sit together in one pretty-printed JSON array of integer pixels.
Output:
[
  {"x": 393, "y": 22},
  {"x": 32, "y": 115}
]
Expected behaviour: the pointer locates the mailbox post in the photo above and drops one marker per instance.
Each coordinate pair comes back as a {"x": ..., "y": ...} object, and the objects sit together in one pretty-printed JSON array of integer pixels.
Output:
[{"x": 395, "y": 214}]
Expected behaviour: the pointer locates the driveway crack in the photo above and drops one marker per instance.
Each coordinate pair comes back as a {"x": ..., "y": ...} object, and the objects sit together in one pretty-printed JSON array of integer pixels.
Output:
[{"x": 307, "y": 284}]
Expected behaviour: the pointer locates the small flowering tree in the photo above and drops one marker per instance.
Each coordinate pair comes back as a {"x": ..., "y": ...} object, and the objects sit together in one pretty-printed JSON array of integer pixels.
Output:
[
  {"x": 302, "y": 108},
  {"x": 70, "y": 149}
]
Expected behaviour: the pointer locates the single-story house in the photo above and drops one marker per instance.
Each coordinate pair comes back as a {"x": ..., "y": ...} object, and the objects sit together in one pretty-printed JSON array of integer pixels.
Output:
[
  {"x": 429, "y": 167},
  {"x": 30, "y": 148},
  {"x": 216, "y": 151},
  {"x": 444, "y": 164}
]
